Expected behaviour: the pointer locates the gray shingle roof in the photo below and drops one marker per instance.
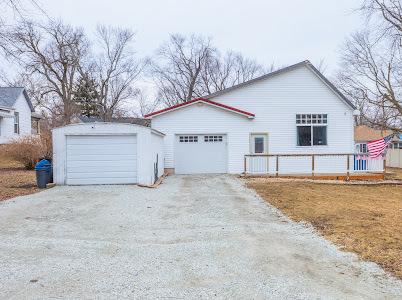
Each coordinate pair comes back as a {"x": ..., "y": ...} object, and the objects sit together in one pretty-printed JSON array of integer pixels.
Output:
[
  {"x": 8, "y": 96},
  {"x": 131, "y": 120}
]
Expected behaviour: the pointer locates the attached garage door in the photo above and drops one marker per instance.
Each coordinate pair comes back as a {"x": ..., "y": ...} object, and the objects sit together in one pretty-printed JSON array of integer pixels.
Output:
[
  {"x": 101, "y": 159},
  {"x": 197, "y": 154}
]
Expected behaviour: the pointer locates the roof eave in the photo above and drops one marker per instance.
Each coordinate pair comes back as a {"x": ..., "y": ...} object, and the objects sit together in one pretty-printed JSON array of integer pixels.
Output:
[
  {"x": 28, "y": 100},
  {"x": 205, "y": 101}
]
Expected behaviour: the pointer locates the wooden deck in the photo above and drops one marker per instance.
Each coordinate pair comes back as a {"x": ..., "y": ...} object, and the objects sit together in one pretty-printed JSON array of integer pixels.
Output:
[
  {"x": 344, "y": 177},
  {"x": 347, "y": 166}
]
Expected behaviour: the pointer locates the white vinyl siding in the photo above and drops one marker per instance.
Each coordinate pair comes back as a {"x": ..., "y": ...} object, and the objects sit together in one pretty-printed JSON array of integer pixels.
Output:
[
  {"x": 275, "y": 103},
  {"x": 101, "y": 159}
]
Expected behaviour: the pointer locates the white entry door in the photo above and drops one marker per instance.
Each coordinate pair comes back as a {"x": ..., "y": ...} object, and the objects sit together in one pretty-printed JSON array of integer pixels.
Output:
[
  {"x": 198, "y": 154},
  {"x": 102, "y": 159}
]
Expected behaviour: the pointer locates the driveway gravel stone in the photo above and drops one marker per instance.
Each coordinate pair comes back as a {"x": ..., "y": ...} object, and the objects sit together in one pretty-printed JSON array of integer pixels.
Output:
[{"x": 193, "y": 237}]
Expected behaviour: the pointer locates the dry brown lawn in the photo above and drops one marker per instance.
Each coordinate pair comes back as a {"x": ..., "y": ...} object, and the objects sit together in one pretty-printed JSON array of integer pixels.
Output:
[
  {"x": 394, "y": 173},
  {"x": 359, "y": 218},
  {"x": 15, "y": 180}
]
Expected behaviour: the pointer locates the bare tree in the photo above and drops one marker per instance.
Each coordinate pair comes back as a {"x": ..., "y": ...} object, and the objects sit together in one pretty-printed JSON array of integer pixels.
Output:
[
  {"x": 371, "y": 74},
  {"x": 191, "y": 67},
  {"x": 15, "y": 9},
  {"x": 371, "y": 65},
  {"x": 145, "y": 105},
  {"x": 53, "y": 53},
  {"x": 115, "y": 70},
  {"x": 220, "y": 73},
  {"x": 178, "y": 67},
  {"x": 388, "y": 13}
]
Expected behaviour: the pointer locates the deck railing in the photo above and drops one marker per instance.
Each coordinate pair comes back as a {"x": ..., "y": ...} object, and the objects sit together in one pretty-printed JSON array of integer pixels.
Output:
[{"x": 311, "y": 164}]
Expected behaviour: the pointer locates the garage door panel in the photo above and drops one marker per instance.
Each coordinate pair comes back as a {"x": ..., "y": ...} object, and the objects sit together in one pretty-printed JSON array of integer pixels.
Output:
[
  {"x": 201, "y": 154},
  {"x": 87, "y": 181},
  {"x": 105, "y": 164},
  {"x": 101, "y": 159},
  {"x": 106, "y": 149},
  {"x": 102, "y": 140},
  {"x": 94, "y": 175},
  {"x": 102, "y": 169}
]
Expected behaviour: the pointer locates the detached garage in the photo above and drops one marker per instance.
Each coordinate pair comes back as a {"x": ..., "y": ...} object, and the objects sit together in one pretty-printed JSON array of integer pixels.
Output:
[{"x": 107, "y": 153}]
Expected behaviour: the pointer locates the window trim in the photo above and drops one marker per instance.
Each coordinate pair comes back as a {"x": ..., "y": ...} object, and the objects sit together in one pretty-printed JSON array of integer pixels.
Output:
[
  {"x": 324, "y": 117},
  {"x": 16, "y": 122},
  {"x": 216, "y": 138},
  {"x": 253, "y": 135},
  {"x": 361, "y": 145},
  {"x": 183, "y": 138}
]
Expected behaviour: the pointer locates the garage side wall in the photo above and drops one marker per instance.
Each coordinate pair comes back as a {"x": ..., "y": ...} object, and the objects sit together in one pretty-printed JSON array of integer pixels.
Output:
[{"x": 157, "y": 154}]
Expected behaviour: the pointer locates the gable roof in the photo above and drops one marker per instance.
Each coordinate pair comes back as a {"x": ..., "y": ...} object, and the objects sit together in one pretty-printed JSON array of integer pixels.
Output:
[
  {"x": 206, "y": 101},
  {"x": 9, "y": 95},
  {"x": 305, "y": 63}
]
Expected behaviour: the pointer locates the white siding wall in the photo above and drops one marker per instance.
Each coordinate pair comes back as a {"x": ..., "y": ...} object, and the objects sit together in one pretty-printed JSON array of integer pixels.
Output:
[
  {"x": 7, "y": 124},
  {"x": 275, "y": 102},
  {"x": 157, "y": 150},
  {"x": 144, "y": 146}
]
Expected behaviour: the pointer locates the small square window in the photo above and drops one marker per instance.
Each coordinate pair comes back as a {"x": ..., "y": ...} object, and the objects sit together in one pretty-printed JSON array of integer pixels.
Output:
[
  {"x": 188, "y": 139},
  {"x": 213, "y": 138}
]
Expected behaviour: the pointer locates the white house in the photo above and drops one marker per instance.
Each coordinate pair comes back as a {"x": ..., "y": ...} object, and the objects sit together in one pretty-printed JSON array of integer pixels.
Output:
[
  {"x": 294, "y": 110},
  {"x": 17, "y": 115},
  {"x": 289, "y": 121}
]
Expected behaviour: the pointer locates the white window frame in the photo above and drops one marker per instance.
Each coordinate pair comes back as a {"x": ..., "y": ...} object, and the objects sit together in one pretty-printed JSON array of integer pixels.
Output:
[
  {"x": 359, "y": 147},
  {"x": 16, "y": 122},
  {"x": 188, "y": 138},
  {"x": 253, "y": 136},
  {"x": 213, "y": 138},
  {"x": 312, "y": 120}
]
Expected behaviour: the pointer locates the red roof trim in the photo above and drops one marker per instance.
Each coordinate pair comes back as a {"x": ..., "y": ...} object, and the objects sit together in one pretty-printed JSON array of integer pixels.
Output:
[{"x": 200, "y": 100}]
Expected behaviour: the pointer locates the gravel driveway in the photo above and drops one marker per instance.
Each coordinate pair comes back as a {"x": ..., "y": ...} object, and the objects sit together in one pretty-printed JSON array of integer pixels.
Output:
[{"x": 193, "y": 237}]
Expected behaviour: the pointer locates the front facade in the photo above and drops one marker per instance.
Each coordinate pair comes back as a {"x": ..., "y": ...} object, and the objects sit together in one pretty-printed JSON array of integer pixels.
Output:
[
  {"x": 291, "y": 111},
  {"x": 17, "y": 115}
]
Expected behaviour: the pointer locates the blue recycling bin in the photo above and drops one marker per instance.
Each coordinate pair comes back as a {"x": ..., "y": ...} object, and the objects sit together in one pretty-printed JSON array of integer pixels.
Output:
[{"x": 43, "y": 172}]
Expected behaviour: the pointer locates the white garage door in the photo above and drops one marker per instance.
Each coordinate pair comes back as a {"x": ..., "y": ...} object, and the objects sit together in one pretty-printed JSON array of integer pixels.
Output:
[
  {"x": 101, "y": 159},
  {"x": 197, "y": 154}
]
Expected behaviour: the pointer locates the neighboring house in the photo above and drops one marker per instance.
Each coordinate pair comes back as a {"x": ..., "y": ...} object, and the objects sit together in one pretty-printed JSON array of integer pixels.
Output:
[
  {"x": 365, "y": 134},
  {"x": 294, "y": 110},
  {"x": 17, "y": 115}
]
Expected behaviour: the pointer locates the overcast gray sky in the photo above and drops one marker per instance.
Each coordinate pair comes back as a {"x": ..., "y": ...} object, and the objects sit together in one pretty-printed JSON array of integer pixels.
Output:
[{"x": 283, "y": 32}]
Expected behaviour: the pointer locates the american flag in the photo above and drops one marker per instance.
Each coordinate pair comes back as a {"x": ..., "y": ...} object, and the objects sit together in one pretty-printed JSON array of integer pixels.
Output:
[{"x": 377, "y": 147}]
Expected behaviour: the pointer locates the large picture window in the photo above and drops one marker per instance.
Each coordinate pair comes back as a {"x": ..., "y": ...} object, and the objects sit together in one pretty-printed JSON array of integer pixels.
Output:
[{"x": 311, "y": 129}]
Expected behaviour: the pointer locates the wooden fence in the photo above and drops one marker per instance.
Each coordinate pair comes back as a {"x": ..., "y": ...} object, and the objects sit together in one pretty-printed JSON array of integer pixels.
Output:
[
  {"x": 394, "y": 158},
  {"x": 311, "y": 164}
]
